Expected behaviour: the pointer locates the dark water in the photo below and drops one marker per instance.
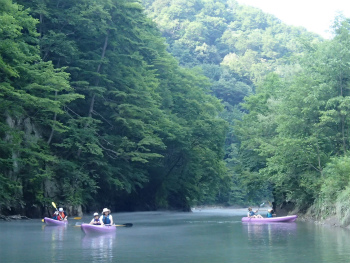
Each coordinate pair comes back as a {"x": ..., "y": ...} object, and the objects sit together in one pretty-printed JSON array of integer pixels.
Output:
[{"x": 207, "y": 236}]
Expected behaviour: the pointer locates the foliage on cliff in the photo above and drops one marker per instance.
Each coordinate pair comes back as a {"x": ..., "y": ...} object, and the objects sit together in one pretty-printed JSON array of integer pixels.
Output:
[{"x": 94, "y": 111}]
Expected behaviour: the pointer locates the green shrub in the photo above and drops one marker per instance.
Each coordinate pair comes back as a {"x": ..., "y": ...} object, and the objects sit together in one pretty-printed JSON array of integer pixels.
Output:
[
  {"x": 336, "y": 177},
  {"x": 343, "y": 207}
]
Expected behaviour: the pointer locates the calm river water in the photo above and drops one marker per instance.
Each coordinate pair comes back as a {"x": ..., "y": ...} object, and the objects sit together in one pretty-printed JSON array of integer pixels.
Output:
[{"x": 207, "y": 236}]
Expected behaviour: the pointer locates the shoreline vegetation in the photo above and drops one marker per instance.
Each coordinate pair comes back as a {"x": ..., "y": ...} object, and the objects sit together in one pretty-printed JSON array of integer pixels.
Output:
[
  {"x": 289, "y": 134},
  {"x": 331, "y": 221},
  {"x": 164, "y": 104}
]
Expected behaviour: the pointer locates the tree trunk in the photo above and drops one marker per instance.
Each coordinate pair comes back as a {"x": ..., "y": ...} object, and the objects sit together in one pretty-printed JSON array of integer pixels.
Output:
[
  {"x": 53, "y": 125},
  {"x": 92, "y": 103},
  {"x": 98, "y": 71}
]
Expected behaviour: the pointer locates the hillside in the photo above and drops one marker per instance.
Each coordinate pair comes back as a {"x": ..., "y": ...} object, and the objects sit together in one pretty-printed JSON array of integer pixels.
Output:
[{"x": 235, "y": 46}]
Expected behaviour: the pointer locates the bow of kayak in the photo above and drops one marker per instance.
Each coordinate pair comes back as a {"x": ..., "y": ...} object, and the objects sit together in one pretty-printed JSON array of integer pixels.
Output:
[
  {"x": 97, "y": 229},
  {"x": 52, "y": 222},
  {"x": 291, "y": 218}
]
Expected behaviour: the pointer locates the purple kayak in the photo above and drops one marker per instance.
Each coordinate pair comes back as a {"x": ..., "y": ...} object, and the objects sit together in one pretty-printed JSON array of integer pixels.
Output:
[
  {"x": 98, "y": 229},
  {"x": 53, "y": 222},
  {"x": 291, "y": 218}
]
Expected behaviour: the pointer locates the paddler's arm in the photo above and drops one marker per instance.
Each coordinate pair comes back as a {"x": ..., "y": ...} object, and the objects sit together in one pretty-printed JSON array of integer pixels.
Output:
[{"x": 101, "y": 220}]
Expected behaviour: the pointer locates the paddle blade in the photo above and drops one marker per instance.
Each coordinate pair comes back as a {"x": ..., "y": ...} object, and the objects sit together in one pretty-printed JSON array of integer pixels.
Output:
[
  {"x": 54, "y": 205},
  {"x": 126, "y": 225},
  {"x": 77, "y": 218},
  {"x": 42, "y": 220}
]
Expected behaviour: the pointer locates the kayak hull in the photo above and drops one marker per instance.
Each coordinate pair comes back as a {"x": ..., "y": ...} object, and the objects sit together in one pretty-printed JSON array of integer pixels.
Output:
[
  {"x": 52, "y": 222},
  {"x": 286, "y": 219},
  {"x": 98, "y": 229}
]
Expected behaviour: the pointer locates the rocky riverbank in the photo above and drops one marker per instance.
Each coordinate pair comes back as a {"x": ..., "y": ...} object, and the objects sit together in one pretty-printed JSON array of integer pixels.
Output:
[
  {"x": 331, "y": 221},
  {"x": 13, "y": 217}
]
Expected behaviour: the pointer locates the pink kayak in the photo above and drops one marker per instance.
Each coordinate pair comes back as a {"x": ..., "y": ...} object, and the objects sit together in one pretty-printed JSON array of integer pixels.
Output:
[
  {"x": 53, "y": 222},
  {"x": 98, "y": 229},
  {"x": 291, "y": 218}
]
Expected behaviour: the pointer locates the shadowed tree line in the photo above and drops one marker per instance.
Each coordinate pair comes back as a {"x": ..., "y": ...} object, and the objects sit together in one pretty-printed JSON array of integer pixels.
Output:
[{"x": 95, "y": 111}]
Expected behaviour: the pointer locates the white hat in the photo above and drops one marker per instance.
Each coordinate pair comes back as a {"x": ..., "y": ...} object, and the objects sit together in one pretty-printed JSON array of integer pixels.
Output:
[
  {"x": 61, "y": 209},
  {"x": 96, "y": 214},
  {"x": 106, "y": 210}
]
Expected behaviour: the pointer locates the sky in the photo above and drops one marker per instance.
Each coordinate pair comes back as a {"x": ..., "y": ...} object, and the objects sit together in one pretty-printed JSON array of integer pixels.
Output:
[{"x": 315, "y": 15}]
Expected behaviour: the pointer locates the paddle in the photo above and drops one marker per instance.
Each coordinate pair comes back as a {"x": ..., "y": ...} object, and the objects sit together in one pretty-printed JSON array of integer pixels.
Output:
[
  {"x": 76, "y": 218},
  {"x": 259, "y": 207},
  {"x": 126, "y": 225},
  {"x": 256, "y": 212},
  {"x": 54, "y": 205}
]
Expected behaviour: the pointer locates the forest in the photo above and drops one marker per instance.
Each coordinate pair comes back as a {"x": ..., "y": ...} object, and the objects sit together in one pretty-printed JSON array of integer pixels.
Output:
[{"x": 166, "y": 104}]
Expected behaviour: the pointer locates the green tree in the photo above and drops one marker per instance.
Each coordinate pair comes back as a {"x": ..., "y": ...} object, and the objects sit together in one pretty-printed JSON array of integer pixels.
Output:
[{"x": 32, "y": 96}]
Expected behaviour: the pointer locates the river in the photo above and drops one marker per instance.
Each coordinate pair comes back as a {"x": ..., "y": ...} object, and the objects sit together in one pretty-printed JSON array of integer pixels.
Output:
[{"x": 206, "y": 236}]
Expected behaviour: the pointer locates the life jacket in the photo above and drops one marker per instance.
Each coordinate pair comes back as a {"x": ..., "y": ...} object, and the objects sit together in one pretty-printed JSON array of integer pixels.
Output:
[
  {"x": 106, "y": 220},
  {"x": 97, "y": 221},
  {"x": 61, "y": 216},
  {"x": 269, "y": 215},
  {"x": 251, "y": 213}
]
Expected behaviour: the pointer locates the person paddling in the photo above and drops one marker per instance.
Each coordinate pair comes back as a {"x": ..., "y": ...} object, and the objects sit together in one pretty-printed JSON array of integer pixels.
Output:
[
  {"x": 61, "y": 215},
  {"x": 106, "y": 217},
  {"x": 96, "y": 220},
  {"x": 252, "y": 214},
  {"x": 55, "y": 215},
  {"x": 269, "y": 213}
]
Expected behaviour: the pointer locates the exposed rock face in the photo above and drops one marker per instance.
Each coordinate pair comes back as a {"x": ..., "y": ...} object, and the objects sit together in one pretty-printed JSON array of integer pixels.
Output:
[
  {"x": 5, "y": 218},
  {"x": 74, "y": 210},
  {"x": 18, "y": 217},
  {"x": 283, "y": 209},
  {"x": 14, "y": 217},
  {"x": 22, "y": 130}
]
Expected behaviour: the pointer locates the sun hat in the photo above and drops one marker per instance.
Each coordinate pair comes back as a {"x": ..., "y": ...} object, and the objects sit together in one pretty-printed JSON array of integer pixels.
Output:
[
  {"x": 95, "y": 214},
  {"x": 106, "y": 210},
  {"x": 61, "y": 209}
]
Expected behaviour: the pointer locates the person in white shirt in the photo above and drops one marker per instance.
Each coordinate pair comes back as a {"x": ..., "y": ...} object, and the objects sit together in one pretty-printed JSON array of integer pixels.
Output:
[{"x": 106, "y": 217}]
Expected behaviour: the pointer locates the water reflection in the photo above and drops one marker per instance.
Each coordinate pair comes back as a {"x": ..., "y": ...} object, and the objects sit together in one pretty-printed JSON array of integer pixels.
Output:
[
  {"x": 269, "y": 233},
  {"x": 177, "y": 238},
  {"x": 99, "y": 248},
  {"x": 54, "y": 235},
  {"x": 332, "y": 243}
]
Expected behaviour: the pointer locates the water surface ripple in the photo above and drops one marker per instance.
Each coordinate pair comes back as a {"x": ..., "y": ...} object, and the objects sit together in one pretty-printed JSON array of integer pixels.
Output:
[{"x": 204, "y": 236}]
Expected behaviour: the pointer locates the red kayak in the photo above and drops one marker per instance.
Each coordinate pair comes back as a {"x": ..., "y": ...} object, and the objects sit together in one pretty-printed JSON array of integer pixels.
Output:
[
  {"x": 52, "y": 222},
  {"x": 98, "y": 229},
  {"x": 287, "y": 219}
]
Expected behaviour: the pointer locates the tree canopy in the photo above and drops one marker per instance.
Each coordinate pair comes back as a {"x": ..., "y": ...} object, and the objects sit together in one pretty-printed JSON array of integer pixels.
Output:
[
  {"x": 156, "y": 104},
  {"x": 95, "y": 111}
]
